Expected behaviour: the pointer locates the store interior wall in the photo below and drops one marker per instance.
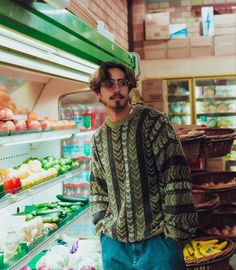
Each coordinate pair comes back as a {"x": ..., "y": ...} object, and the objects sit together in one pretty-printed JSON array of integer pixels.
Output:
[
  {"x": 181, "y": 12},
  {"x": 175, "y": 68},
  {"x": 114, "y": 14}
]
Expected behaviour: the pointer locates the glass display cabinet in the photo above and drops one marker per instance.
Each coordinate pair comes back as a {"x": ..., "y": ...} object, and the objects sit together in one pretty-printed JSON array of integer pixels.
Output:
[{"x": 179, "y": 97}]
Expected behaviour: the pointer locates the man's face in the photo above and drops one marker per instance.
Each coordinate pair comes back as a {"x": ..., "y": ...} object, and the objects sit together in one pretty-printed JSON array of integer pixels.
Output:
[{"x": 114, "y": 93}]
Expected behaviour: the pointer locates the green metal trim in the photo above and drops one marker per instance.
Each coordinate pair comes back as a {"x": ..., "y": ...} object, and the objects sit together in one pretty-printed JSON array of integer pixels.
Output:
[{"x": 61, "y": 29}]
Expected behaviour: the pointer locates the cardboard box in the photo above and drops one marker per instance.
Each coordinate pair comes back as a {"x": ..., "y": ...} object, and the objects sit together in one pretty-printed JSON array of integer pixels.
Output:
[
  {"x": 158, "y": 105},
  {"x": 225, "y": 24},
  {"x": 201, "y": 46},
  {"x": 225, "y": 20},
  {"x": 178, "y": 53},
  {"x": 225, "y": 45},
  {"x": 178, "y": 48},
  {"x": 178, "y": 43},
  {"x": 157, "y": 26},
  {"x": 178, "y": 30},
  {"x": 207, "y": 21},
  {"x": 215, "y": 164},
  {"x": 201, "y": 51},
  {"x": 155, "y": 49},
  {"x": 153, "y": 90},
  {"x": 225, "y": 31}
]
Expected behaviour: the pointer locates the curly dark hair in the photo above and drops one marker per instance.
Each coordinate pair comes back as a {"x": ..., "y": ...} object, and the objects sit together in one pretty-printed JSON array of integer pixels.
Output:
[{"x": 102, "y": 75}]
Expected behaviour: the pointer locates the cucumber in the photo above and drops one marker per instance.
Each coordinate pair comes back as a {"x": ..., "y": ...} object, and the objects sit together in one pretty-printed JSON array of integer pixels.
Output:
[
  {"x": 52, "y": 218},
  {"x": 42, "y": 205},
  {"x": 65, "y": 204},
  {"x": 65, "y": 198},
  {"x": 48, "y": 211},
  {"x": 75, "y": 207}
]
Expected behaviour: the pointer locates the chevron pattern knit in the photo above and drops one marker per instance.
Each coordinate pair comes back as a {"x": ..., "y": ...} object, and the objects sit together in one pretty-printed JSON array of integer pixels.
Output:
[{"x": 140, "y": 182}]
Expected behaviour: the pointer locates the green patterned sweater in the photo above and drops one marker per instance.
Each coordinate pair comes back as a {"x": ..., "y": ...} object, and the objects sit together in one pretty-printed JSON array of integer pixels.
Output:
[{"x": 140, "y": 182}]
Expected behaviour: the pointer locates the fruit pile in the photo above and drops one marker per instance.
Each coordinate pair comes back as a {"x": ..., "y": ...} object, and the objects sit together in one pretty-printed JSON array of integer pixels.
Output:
[
  {"x": 228, "y": 231},
  {"x": 34, "y": 171},
  {"x": 197, "y": 249}
]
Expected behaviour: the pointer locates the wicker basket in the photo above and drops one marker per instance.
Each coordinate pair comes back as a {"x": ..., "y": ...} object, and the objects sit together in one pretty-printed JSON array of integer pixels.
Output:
[
  {"x": 191, "y": 147},
  {"x": 217, "y": 142},
  {"x": 198, "y": 171},
  {"x": 218, "y": 261},
  {"x": 205, "y": 203},
  {"x": 226, "y": 195},
  {"x": 221, "y": 217}
]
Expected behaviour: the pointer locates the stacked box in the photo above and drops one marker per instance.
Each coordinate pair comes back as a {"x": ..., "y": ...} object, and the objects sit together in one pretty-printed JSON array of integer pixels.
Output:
[
  {"x": 225, "y": 45},
  {"x": 157, "y": 26},
  {"x": 225, "y": 24},
  {"x": 155, "y": 94},
  {"x": 216, "y": 164},
  {"x": 155, "y": 49},
  {"x": 178, "y": 48},
  {"x": 201, "y": 46}
]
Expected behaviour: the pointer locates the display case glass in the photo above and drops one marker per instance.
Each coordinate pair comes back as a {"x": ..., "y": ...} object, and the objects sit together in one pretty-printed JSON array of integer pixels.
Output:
[
  {"x": 179, "y": 101},
  {"x": 216, "y": 101}
]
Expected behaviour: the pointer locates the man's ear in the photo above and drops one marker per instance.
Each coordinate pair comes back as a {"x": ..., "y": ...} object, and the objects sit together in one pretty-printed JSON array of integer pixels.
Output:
[{"x": 98, "y": 96}]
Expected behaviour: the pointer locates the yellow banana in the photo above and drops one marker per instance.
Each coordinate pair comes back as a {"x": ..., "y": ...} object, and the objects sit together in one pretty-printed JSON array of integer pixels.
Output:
[
  {"x": 213, "y": 251},
  {"x": 190, "y": 249},
  {"x": 222, "y": 245},
  {"x": 208, "y": 242},
  {"x": 197, "y": 253},
  {"x": 186, "y": 252},
  {"x": 203, "y": 251}
]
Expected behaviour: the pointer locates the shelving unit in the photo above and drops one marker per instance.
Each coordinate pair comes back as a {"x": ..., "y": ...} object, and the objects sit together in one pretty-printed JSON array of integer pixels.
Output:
[
  {"x": 33, "y": 137},
  {"x": 44, "y": 241},
  {"x": 13, "y": 198},
  {"x": 216, "y": 101}
]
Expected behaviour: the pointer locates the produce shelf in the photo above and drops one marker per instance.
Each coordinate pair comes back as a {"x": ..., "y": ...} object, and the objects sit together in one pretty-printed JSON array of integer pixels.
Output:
[
  {"x": 44, "y": 241},
  {"x": 175, "y": 98},
  {"x": 33, "y": 137},
  {"x": 12, "y": 198},
  {"x": 214, "y": 114},
  {"x": 216, "y": 98}
]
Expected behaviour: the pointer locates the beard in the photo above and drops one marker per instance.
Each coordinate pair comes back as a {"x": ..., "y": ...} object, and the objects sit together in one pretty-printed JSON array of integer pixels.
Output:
[{"x": 119, "y": 103}]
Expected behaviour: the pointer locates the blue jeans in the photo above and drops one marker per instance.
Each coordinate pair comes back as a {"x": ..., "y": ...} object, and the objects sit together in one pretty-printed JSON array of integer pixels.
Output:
[{"x": 157, "y": 253}]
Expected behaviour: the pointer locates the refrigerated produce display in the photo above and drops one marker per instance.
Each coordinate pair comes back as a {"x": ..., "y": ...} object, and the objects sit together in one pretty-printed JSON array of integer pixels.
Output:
[
  {"x": 43, "y": 142},
  {"x": 216, "y": 107},
  {"x": 204, "y": 101},
  {"x": 88, "y": 114},
  {"x": 179, "y": 101},
  {"x": 216, "y": 101}
]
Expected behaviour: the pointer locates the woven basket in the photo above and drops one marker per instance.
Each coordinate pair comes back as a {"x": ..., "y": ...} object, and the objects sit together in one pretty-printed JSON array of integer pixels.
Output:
[
  {"x": 226, "y": 195},
  {"x": 217, "y": 142},
  {"x": 218, "y": 261},
  {"x": 221, "y": 217},
  {"x": 198, "y": 171},
  {"x": 191, "y": 147},
  {"x": 205, "y": 203}
]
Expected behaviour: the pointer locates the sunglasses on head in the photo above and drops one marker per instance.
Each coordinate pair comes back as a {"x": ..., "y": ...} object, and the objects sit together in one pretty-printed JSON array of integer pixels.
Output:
[{"x": 122, "y": 83}]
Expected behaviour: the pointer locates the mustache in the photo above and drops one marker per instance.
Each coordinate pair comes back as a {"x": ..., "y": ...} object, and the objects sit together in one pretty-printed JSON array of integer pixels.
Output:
[{"x": 116, "y": 95}]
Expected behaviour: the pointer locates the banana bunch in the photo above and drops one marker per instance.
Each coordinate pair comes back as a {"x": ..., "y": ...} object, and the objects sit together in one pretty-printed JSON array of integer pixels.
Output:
[{"x": 197, "y": 249}]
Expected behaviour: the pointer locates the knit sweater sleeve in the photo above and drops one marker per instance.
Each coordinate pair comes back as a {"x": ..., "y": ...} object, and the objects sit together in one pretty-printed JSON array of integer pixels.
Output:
[
  {"x": 98, "y": 190},
  {"x": 175, "y": 184}
]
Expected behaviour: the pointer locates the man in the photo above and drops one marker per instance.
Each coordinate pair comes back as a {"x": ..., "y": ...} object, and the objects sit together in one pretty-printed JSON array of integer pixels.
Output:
[{"x": 140, "y": 182}]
